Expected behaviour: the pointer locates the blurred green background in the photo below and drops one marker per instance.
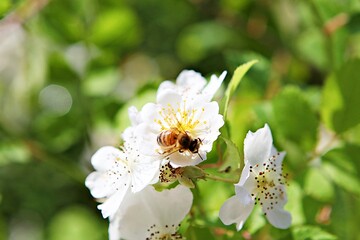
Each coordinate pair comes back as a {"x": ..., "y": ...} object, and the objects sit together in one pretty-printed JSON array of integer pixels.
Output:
[{"x": 70, "y": 69}]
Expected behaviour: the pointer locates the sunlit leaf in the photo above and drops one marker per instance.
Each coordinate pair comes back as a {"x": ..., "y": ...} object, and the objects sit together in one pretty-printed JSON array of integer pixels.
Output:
[
  {"x": 232, "y": 159},
  {"x": 341, "y": 101},
  {"x": 200, "y": 40},
  {"x": 311, "y": 233},
  {"x": 122, "y": 116},
  {"x": 295, "y": 203},
  {"x": 11, "y": 152},
  {"x": 256, "y": 220},
  {"x": 4, "y": 6},
  {"x": 101, "y": 83},
  {"x": 342, "y": 167},
  {"x": 234, "y": 83},
  {"x": 318, "y": 185},
  {"x": 345, "y": 180},
  {"x": 76, "y": 223},
  {"x": 186, "y": 181},
  {"x": 116, "y": 27},
  {"x": 311, "y": 46},
  {"x": 213, "y": 195},
  {"x": 193, "y": 172},
  {"x": 294, "y": 118},
  {"x": 198, "y": 233}
]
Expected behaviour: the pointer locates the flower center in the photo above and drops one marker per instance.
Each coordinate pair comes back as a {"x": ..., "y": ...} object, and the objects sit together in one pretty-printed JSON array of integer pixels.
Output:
[
  {"x": 179, "y": 117},
  {"x": 167, "y": 232},
  {"x": 269, "y": 181},
  {"x": 169, "y": 174}
]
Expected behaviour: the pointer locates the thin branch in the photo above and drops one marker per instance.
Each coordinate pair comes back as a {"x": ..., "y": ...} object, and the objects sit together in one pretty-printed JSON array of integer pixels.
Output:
[{"x": 220, "y": 179}]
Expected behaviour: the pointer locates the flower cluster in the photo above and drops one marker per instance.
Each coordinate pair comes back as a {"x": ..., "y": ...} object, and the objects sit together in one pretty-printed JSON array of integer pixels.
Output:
[
  {"x": 183, "y": 123},
  {"x": 261, "y": 182},
  {"x": 165, "y": 141},
  {"x": 177, "y": 130}
]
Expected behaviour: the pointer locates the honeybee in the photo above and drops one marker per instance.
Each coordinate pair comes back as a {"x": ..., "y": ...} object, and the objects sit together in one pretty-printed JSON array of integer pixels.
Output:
[{"x": 173, "y": 140}]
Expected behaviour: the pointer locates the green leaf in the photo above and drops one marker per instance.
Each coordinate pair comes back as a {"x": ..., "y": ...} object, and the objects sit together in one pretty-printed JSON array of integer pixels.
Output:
[
  {"x": 311, "y": 233},
  {"x": 116, "y": 27},
  {"x": 212, "y": 195},
  {"x": 122, "y": 120},
  {"x": 340, "y": 101},
  {"x": 101, "y": 83},
  {"x": 341, "y": 166},
  {"x": 3, "y": 228},
  {"x": 198, "y": 233},
  {"x": 295, "y": 203},
  {"x": 256, "y": 220},
  {"x": 343, "y": 179},
  {"x": 4, "y": 6},
  {"x": 233, "y": 158},
  {"x": 294, "y": 118},
  {"x": 193, "y": 172},
  {"x": 310, "y": 46},
  {"x": 198, "y": 41},
  {"x": 185, "y": 181},
  {"x": 234, "y": 83},
  {"x": 13, "y": 152},
  {"x": 76, "y": 223},
  {"x": 318, "y": 185}
]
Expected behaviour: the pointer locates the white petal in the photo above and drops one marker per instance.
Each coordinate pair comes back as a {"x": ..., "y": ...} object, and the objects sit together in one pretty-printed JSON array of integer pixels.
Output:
[
  {"x": 169, "y": 97},
  {"x": 104, "y": 158},
  {"x": 237, "y": 209},
  {"x": 279, "y": 157},
  {"x": 128, "y": 134},
  {"x": 210, "y": 120},
  {"x": 191, "y": 79},
  {"x": 247, "y": 180},
  {"x": 244, "y": 174},
  {"x": 148, "y": 207},
  {"x": 114, "y": 233},
  {"x": 166, "y": 85},
  {"x": 244, "y": 195},
  {"x": 162, "y": 204},
  {"x": 144, "y": 174},
  {"x": 97, "y": 182},
  {"x": 279, "y": 218},
  {"x": 282, "y": 196},
  {"x": 111, "y": 205},
  {"x": 178, "y": 159},
  {"x": 257, "y": 146},
  {"x": 134, "y": 116},
  {"x": 149, "y": 113},
  {"x": 214, "y": 84}
]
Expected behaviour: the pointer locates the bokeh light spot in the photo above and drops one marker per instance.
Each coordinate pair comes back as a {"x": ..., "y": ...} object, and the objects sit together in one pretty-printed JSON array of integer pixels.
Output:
[{"x": 55, "y": 99}]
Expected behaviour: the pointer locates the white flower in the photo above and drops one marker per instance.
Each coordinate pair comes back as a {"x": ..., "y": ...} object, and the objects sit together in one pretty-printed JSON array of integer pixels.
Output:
[
  {"x": 134, "y": 116},
  {"x": 119, "y": 171},
  {"x": 261, "y": 183},
  {"x": 150, "y": 214},
  {"x": 179, "y": 128},
  {"x": 192, "y": 83}
]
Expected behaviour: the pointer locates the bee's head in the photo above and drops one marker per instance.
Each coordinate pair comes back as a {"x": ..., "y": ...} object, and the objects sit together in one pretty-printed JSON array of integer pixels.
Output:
[
  {"x": 185, "y": 141},
  {"x": 194, "y": 145}
]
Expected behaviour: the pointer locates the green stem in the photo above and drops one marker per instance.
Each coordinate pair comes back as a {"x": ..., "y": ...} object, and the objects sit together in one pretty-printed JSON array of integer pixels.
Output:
[{"x": 220, "y": 179}]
